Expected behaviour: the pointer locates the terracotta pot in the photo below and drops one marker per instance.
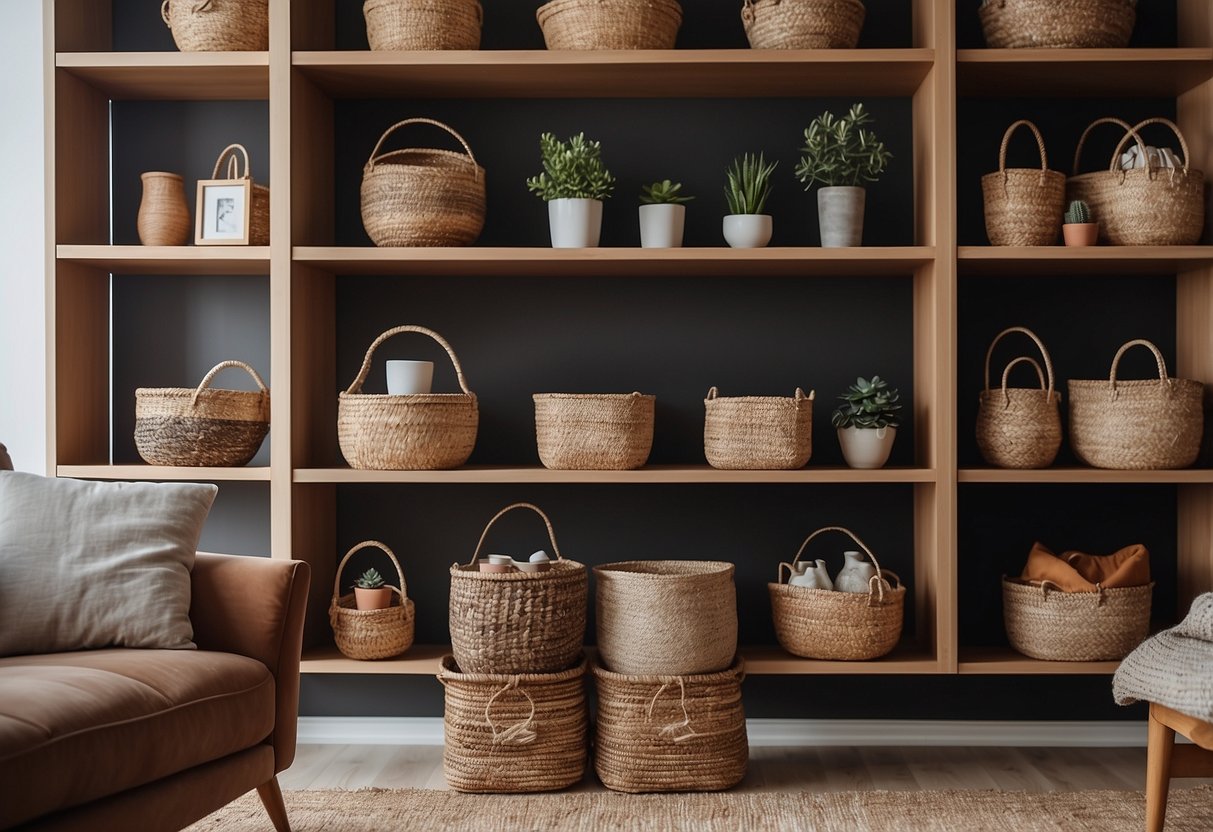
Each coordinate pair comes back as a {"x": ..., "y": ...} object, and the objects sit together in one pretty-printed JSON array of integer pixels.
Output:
[
  {"x": 164, "y": 216},
  {"x": 1080, "y": 233},
  {"x": 373, "y": 599}
]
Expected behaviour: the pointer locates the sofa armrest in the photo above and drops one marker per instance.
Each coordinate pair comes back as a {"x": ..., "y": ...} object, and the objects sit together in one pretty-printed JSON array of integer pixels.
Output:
[{"x": 255, "y": 607}]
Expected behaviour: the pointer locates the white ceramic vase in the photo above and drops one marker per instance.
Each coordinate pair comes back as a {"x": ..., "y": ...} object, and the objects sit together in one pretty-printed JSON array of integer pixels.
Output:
[
  {"x": 866, "y": 447},
  {"x": 747, "y": 230},
  {"x": 661, "y": 226},
  {"x": 856, "y": 573},
  {"x": 575, "y": 223},
  {"x": 840, "y": 216}
]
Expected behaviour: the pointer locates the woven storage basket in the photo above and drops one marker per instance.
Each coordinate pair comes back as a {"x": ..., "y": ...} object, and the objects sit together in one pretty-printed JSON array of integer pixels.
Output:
[
  {"x": 218, "y": 25},
  {"x": 594, "y": 431},
  {"x": 758, "y": 432},
  {"x": 518, "y": 622},
  {"x": 829, "y": 624},
  {"x": 259, "y": 211},
  {"x": 1137, "y": 425},
  {"x": 670, "y": 733},
  {"x": 514, "y": 733},
  {"x": 802, "y": 24},
  {"x": 1023, "y": 206},
  {"x": 1019, "y": 427},
  {"x": 666, "y": 616},
  {"x": 1011, "y": 24},
  {"x": 371, "y": 634},
  {"x": 422, "y": 196},
  {"x": 1045, "y": 623},
  {"x": 417, "y": 432},
  {"x": 202, "y": 426},
  {"x": 610, "y": 24},
  {"x": 423, "y": 24}
]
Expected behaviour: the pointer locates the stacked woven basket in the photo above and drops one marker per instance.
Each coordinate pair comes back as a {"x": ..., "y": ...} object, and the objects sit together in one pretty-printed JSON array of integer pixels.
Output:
[{"x": 371, "y": 634}]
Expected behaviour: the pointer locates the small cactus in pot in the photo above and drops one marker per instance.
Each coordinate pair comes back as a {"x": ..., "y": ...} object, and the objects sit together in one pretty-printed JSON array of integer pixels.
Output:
[
  {"x": 1079, "y": 228},
  {"x": 371, "y": 592}
]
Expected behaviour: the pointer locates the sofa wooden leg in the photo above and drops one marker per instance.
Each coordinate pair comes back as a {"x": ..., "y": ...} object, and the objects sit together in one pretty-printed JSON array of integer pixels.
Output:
[
  {"x": 271, "y": 798},
  {"x": 1158, "y": 773}
]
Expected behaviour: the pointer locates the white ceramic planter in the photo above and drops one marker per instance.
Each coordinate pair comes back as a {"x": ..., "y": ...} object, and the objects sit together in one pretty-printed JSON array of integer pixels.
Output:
[
  {"x": 840, "y": 216},
  {"x": 408, "y": 378},
  {"x": 575, "y": 223},
  {"x": 866, "y": 447},
  {"x": 747, "y": 230},
  {"x": 661, "y": 225}
]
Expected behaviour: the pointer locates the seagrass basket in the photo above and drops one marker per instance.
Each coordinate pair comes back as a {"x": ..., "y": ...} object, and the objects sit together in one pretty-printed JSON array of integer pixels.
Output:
[
  {"x": 670, "y": 733},
  {"x": 218, "y": 25},
  {"x": 416, "y": 432},
  {"x": 1045, "y": 623},
  {"x": 422, "y": 196},
  {"x": 1023, "y": 206},
  {"x": 1012, "y": 24},
  {"x": 758, "y": 432},
  {"x": 259, "y": 195},
  {"x": 508, "y": 733},
  {"x": 423, "y": 24},
  {"x": 610, "y": 24},
  {"x": 1137, "y": 425},
  {"x": 1019, "y": 427},
  {"x": 202, "y": 426},
  {"x": 371, "y": 634},
  {"x": 518, "y": 622},
  {"x": 594, "y": 431},
  {"x": 835, "y": 625},
  {"x": 803, "y": 24}
]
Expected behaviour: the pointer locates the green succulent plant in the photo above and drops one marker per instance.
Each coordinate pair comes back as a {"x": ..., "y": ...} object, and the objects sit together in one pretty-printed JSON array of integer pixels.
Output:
[
  {"x": 370, "y": 579},
  {"x": 663, "y": 193},
  {"x": 838, "y": 151},
  {"x": 1078, "y": 212},
  {"x": 868, "y": 404},
  {"x": 749, "y": 184},
  {"x": 572, "y": 169}
]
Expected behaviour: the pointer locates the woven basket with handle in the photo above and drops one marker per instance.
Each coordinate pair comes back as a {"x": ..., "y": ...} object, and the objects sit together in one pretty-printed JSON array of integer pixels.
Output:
[
  {"x": 1045, "y": 623},
  {"x": 1019, "y": 427},
  {"x": 259, "y": 211},
  {"x": 371, "y": 634},
  {"x": 423, "y": 24},
  {"x": 594, "y": 431},
  {"x": 202, "y": 426},
  {"x": 1075, "y": 24},
  {"x": 758, "y": 432},
  {"x": 610, "y": 24},
  {"x": 803, "y": 24},
  {"x": 1023, "y": 206},
  {"x": 218, "y": 25}
]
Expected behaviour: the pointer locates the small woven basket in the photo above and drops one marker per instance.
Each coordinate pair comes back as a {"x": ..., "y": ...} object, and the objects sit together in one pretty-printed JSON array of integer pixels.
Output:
[
  {"x": 803, "y": 24},
  {"x": 218, "y": 25},
  {"x": 1137, "y": 425},
  {"x": 610, "y": 24},
  {"x": 666, "y": 616},
  {"x": 259, "y": 211},
  {"x": 758, "y": 432},
  {"x": 422, "y": 196},
  {"x": 371, "y": 634},
  {"x": 518, "y": 622},
  {"x": 202, "y": 426},
  {"x": 1075, "y": 24},
  {"x": 835, "y": 625},
  {"x": 1045, "y": 623},
  {"x": 1023, "y": 206},
  {"x": 670, "y": 733},
  {"x": 594, "y": 431},
  {"x": 416, "y": 432},
  {"x": 423, "y": 24},
  {"x": 1019, "y": 427}
]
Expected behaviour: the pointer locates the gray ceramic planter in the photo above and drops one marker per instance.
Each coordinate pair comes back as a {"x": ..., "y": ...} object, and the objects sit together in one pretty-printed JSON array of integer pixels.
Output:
[{"x": 840, "y": 216}]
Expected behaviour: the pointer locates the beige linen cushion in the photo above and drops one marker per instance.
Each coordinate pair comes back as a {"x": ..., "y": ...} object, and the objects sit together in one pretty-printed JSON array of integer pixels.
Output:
[{"x": 97, "y": 564}]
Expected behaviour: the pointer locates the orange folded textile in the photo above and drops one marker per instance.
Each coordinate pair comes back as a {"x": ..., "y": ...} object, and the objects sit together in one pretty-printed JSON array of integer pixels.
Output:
[
  {"x": 1043, "y": 565},
  {"x": 1125, "y": 567}
]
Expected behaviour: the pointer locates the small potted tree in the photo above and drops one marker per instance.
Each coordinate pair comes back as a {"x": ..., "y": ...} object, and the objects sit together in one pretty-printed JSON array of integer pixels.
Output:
[
  {"x": 839, "y": 155},
  {"x": 1079, "y": 229},
  {"x": 574, "y": 183},
  {"x": 749, "y": 186},
  {"x": 867, "y": 422},
  {"x": 663, "y": 214},
  {"x": 371, "y": 592}
]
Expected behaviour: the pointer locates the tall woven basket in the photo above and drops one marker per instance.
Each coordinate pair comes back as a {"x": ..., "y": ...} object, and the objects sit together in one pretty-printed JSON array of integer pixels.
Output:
[
  {"x": 518, "y": 622},
  {"x": 259, "y": 211},
  {"x": 525, "y": 732},
  {"x": 666, "y": 616},
  {"x": 417, "y": 432},
  {"x": 202, "y": 426},
  {"x": 670, "y": 733},
  {"x": 1012, "y": 24},
  {"x": 371, "y": 634},
  {"x": 1137, "y": 425},
  {"x": 803, "y": 24},
  {"x": 423, "y": 24},
  {"x": 610, "y": 24},
  {"x": 1045, "y": 623},
  {"x": 840, "y": 626},
  {"x": 758, "y": 432},
  {"x": 594, "y": 431},
  {"x": 1019, "y": 427},
  {"x": 1023, "y": 206},
  {"x": 218, "y": 25}
]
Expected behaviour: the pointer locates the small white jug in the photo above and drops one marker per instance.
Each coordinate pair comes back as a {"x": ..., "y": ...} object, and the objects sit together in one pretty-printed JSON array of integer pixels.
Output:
[
  {"x": 811, "y": 575},
  {"x": 855, "y": 575}
]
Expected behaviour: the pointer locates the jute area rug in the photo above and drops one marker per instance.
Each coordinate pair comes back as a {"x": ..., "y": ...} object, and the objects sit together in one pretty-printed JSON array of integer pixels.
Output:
[{"x": 1189, "y": 810}]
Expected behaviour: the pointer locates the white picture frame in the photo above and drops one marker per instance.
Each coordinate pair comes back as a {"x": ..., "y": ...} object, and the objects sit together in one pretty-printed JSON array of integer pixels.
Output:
[{"x": 223, "y": 212}]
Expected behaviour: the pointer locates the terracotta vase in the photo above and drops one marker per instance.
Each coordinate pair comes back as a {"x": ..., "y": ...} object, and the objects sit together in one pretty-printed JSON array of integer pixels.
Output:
[
  {"x": 164, "y": 215},
  {"x": 373, "y": 599},
  {"x": 1080, "y": 233}
]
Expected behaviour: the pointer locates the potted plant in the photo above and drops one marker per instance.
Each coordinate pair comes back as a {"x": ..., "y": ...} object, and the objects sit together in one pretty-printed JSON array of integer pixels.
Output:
[
  {"x": 867, "y": 422},
  {"x": 749, "y": 185},
  {"x": 839, "y": 155},
  {"x": 370, "y": 591},
  {"x": 573, "y": 183},
  {"x": 1078, "y": 229},
  {"x": 663, "y": 214}
]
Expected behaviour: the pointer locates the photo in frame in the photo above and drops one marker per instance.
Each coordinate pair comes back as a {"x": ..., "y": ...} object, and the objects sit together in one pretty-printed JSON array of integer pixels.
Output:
[{"x": 223, "y": 211}]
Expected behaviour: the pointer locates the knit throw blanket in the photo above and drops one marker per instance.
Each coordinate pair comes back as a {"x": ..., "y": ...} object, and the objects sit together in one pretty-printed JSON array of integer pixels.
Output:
[{"x": 1175, "y": 667}]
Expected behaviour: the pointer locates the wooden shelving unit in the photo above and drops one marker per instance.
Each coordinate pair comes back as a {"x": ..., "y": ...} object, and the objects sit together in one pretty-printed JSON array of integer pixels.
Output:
[
  {"x": 652, "y": 474},
  {"x": 177, "y": 76},
  {"x": 164, "y": 473}
]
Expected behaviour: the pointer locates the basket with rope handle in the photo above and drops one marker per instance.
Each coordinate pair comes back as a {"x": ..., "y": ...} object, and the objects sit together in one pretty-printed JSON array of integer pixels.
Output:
[
  {"x": 803, "y": 24},
  {"x": 610, "y": 24},
  {"x": 423, "y": 24},
  {"x": 371, "y": 634},
  {"x": 1044, "y": 622},
  {"x": 1023, "y": 206},
  {"x": 1019, "y": 427},
  {"x": 1074, "y": 24},
  {"x": 259, "y": 195},
  {"x": 758, "y": 432},
  {"x": 218, "y": 25}
]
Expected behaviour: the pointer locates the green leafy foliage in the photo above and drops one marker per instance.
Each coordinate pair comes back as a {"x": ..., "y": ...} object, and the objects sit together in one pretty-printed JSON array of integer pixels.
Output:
[
  {"x": 571, "y": 170},
  {"x": 1078, "y": 212},
  {"x": 868, "y": 404},
  {"x": 663, "y": 193},
  {"x": 370, "y": 579},
  {"x": 749, "y": 184},
  {"x": 839, "y": 151}
]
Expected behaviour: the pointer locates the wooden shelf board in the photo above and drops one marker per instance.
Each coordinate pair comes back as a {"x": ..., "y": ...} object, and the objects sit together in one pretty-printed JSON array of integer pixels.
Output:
[
  {"x": 174, "y": 76},
  {"x": 419, "y": 660},
  {"x": 163, "y": 472},
  {"x": 1046, "y": 261},
  {"x": 1005, "y": 661},
  {"x": 170, "y": 260},
  {"x": 1084, "y": 475},
  {"x": 648, "y": 475},
  {"x": 696, "y": 73},
  {"x": 1060, "y": 73}
]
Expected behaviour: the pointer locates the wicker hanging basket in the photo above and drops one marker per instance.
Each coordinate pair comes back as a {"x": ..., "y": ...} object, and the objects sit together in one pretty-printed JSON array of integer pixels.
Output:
[
  {"x": 1045, "y": 623},
  {"x": 803, "y": 24},
  {"x": 259, "y": 195},
  {"x": 610, "y": 24},
  {"x": 371, "y": 634},
  {"x": 840, "y": 626},
  {"x": 594, "y": 431},
  {"x": 218, "y": 25},
  {"x": 758, "y": 432},
  {"x": 416, "y": 432},
  {"x": 1074, "y": 24},
  {"x": 518, "y": 622},
  {"x": 423, "y": 24},
  {"x": 202, "y": 426},
  {"x": 1023, "y": 206},
  {"x": 514, "y": 733},
  {"x": 1019, "y": 427},
  {"x": 1137, "y": 425},
  {"x": 669, "y": 733}
]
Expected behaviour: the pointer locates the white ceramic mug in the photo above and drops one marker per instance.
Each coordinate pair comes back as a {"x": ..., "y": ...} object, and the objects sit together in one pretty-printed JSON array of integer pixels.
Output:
[{"x": 406, "y": 378}]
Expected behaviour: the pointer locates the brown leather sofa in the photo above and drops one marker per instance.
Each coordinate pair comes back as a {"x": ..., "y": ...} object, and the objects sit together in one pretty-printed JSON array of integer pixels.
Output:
[{"x": 153, "y": 740}]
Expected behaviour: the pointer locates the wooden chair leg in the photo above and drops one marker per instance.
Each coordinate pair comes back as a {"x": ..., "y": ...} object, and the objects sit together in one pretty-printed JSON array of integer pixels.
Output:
[
  {"x": 1158, "y": 773},
  {"x": 271, "y": 798}
]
